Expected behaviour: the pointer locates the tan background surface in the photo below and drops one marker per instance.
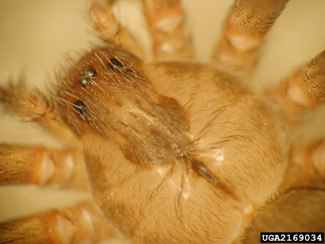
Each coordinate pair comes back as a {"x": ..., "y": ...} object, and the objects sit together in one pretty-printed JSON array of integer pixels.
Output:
[{"x": 36, "y": 35}]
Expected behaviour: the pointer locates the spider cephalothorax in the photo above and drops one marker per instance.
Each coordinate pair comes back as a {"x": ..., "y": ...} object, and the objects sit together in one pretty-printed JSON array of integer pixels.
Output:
[{"x": 174, "y": 151}]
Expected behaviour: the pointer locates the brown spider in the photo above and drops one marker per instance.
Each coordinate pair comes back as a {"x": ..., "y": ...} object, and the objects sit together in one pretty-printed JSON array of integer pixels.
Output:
[{"x": 189, "y": 200}]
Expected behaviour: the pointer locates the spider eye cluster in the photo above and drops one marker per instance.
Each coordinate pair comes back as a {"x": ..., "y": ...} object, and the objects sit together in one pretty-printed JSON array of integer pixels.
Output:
[{"x": 87, "y": 76}]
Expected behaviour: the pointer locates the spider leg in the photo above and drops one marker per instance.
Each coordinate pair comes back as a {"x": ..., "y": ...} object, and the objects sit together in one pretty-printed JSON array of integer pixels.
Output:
[
  {"x": 39, "y": 165},
  {"x": 108, "y": 28},
  {"x": 166, "y": 25},
  {"x": 36, "y": 107},
  {"x": 306, "y": 165},
  {"x": 244, "y": 33},
  {"x": 303, "y": 90},
  {"x": 74, "y": 225}
]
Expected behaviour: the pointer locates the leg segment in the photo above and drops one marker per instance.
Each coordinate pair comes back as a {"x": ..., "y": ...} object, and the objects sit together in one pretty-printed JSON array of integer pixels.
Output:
[
  {"x": 166, "y": 25},
  {"x": 37, "y": 165},
  {"x": 303, "y": 90},
  {"x": 105, "y": 23},
  {"x": 244, "y": 33},
  {"x": 306, "y": 166},
  {"x": 68, "y": 226},
  {"x": 37, "y": 108}
]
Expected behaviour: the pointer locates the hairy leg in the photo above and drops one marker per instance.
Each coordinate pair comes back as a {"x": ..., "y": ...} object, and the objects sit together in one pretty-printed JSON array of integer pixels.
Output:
[
  {"x": 66, "y": 226},
  {"x": 306, "y": 165},
  {"x": 108, "y": 28},
  {"x": 244, "y": 33},
  {"x": 166, "y": 25},
  {"x": 39, "y": 165},
  {"x": 36, "y": 107},
  {"x": 303, "y": 90}
]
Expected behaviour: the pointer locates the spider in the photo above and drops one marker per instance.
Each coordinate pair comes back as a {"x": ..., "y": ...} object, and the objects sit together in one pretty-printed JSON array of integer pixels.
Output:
[{"x": 198, "y": 167}]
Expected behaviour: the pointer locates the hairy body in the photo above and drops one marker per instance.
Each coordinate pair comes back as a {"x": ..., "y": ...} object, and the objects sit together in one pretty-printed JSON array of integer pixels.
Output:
[
  {"x": 165, "y": 159},
  {"x": 204, "y": 143}
]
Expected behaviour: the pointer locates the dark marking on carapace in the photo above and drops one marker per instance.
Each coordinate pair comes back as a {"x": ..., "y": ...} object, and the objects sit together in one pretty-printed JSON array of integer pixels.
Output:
[{"x": 206, "y": 173}]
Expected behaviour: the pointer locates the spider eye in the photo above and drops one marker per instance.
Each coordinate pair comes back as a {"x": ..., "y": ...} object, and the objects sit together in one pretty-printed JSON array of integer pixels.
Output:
[
  {"x": 113, "y": 63},
  {"x": 83, "y": 81},
  {"x": 85, "y": 78},
  {"x": 79, "y": 107},
  {"x": 90, "y": 72}
]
